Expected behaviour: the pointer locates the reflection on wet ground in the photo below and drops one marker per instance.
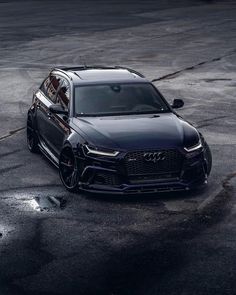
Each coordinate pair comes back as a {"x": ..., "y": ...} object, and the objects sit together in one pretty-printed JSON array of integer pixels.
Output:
[{"x": 47, "y": 203}]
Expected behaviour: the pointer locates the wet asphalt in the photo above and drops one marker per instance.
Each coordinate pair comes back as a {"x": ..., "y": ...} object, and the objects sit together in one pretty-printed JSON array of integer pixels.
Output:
[{"x": 54, "y": 242}]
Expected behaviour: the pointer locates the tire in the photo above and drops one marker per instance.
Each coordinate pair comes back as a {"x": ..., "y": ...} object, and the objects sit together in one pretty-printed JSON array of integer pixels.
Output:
[
  {"x": 68, "y": 170},
  {"x": 208, "y": 156},
  {"x": 32, "y": 140}
]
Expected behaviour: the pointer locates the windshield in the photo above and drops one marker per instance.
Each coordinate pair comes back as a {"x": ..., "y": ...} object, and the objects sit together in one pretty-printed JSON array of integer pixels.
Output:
[{"x": 118, "y": 99}]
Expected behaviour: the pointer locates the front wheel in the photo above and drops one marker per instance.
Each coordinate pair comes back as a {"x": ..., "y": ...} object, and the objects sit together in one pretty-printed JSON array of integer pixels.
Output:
[
  {"x": 68, "y": 170},
  {"x": 32, "y": 140}
]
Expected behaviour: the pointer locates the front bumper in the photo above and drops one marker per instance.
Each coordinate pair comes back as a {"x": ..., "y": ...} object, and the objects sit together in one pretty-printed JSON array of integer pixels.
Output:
[
  {"x": 140, "y": 189},
  {"x": 109, "y": 176}
]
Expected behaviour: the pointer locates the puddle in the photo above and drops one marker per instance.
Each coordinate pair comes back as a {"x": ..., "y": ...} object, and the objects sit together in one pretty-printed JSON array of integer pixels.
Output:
[
  {"x": 5, "y": 230},
  {"x": 47, "y": 203}
]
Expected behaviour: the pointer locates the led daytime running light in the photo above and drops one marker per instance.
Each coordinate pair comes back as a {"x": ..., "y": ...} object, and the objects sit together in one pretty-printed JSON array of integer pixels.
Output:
[
  {"x": 101, "y": 153},
  {"x": 194, "y": 148}
]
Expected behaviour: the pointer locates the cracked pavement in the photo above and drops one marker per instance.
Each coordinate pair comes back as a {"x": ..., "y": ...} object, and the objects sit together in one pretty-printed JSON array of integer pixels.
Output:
[{"x": 91, "y": 245}]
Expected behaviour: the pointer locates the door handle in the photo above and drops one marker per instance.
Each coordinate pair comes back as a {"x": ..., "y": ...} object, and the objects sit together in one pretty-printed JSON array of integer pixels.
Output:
[{"x": 49, "y": 115}]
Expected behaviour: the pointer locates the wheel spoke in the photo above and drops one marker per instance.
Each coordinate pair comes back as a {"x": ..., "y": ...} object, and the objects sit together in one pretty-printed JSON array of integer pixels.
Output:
[
  {"x": 29, "y": 128},
  {"x": 31, "y": 141},
  {"x": 73, "y": 178},
  {"x": 68, "y": 169},
  {"x": 30, "y": 137},
  {"x": 68, "y": 179},
  {"x": 66, "y": 165}
]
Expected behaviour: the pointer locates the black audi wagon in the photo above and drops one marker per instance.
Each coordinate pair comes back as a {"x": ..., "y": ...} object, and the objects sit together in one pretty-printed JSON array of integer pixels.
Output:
[{"x": 109, "y": 130}]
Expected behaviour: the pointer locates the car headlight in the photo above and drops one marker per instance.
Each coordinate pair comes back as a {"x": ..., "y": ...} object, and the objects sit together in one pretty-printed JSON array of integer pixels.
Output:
[
  {"x": 194, "y": 150},
  {"x": 100, "y": 152}
]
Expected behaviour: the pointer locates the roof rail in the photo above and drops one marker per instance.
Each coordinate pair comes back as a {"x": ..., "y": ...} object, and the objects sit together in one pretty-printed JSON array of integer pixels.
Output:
[
  {"x": 85, "y": 67},
  {"x": 75, "y": 73},
  {"x": 63, "y": 71},
  {"x": 130, "y": 70}
]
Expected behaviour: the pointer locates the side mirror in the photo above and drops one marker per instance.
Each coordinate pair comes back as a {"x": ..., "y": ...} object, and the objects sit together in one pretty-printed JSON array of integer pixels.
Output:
[
  {"x": 57, "y": 109},
  {"x": 177, "y": 103}
]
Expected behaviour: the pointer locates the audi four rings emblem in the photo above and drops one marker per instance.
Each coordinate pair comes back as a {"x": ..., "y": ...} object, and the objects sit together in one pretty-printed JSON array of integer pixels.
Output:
[{"x": 154, "y": 157}]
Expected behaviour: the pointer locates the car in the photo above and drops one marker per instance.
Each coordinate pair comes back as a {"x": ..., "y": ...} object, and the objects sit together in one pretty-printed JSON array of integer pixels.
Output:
[{"x": 110, "y": 130}]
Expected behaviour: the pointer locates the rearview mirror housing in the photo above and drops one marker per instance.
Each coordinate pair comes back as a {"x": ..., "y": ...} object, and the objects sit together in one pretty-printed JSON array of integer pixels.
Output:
[
  {"x": 177, "y": 103},
  {"x": 57, "y": 109}
]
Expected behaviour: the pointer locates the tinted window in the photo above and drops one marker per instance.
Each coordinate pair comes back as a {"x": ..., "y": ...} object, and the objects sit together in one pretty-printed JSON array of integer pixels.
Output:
[
  {"x": 63, "y": 95},
  {"x": 45, "y": 84},
  {"x": 114, "y": 99},
  {"x": 50, "y": 87}
]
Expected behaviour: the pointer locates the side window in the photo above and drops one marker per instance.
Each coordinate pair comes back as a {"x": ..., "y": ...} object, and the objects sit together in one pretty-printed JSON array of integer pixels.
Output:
[
  {"x": 63, "y": 95},
  {"x": 50, "y": 87},
  {"x": 53, "y": 88},
  {"x": 45, "y": 84}
]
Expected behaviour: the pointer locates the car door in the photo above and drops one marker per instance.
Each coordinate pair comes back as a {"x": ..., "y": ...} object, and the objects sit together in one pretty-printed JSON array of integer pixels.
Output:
[{"x": 58, "y": 125}]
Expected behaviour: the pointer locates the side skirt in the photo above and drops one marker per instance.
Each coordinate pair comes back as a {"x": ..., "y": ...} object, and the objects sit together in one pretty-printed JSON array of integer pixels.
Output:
[{"x": 48, "y": 154}]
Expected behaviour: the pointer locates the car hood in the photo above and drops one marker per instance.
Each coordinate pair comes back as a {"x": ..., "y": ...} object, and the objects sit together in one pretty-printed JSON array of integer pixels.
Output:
[{"x": 135, "y": 132}]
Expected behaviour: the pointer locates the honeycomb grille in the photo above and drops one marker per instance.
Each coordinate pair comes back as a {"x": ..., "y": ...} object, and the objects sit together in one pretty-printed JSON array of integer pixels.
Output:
[{"x": 136, "y": 164}]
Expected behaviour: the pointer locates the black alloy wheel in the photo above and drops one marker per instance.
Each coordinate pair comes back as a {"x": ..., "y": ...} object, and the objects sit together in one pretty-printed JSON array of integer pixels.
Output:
[
  {"x": 208, "y": 158},
  {"x": 68, "y": 170},
  {"x": 32, "y": 141}
]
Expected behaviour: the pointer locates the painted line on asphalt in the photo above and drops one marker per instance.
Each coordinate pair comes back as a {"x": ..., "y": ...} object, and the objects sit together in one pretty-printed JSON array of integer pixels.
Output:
[
  {"x": 193, "y": 67},
  {"x": 12, "y": 132}
]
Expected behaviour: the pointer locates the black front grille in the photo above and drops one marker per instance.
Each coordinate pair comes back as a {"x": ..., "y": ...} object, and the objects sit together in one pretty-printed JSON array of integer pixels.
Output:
[{"x": 169, "y": 161}]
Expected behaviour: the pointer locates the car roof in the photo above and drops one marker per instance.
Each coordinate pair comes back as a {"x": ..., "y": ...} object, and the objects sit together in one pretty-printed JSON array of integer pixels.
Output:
[{"x": 99, "y": 74}]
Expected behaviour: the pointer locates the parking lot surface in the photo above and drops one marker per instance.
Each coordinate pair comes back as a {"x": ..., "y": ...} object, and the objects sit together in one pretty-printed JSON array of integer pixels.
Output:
[{"x": 54, "y": 242}]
